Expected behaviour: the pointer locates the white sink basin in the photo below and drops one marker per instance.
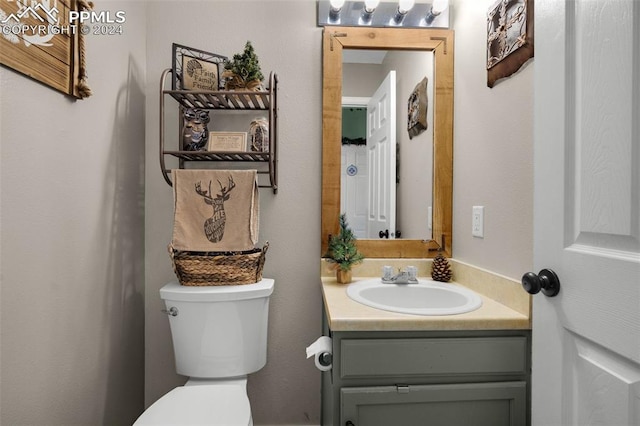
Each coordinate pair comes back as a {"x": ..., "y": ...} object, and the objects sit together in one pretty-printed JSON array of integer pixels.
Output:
[{"x": 426, "y": 297}]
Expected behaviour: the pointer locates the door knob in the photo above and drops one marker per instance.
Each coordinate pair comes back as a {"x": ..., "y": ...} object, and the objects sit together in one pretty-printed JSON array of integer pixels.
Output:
[
  {"x": 546, "y": 280},
  {"x": 384, "y": 234}
]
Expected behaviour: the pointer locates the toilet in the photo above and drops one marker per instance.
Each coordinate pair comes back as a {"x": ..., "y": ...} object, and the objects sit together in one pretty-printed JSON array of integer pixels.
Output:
[{"x": 219, "y": 337}]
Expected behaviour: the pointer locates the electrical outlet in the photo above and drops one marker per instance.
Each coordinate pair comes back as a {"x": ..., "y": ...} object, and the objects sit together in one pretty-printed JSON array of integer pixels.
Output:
[{"x": 477, "y": 229}]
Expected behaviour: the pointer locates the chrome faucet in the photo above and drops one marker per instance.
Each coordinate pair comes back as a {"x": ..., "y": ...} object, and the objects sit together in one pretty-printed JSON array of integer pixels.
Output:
[{"x": 407, "y": 276}]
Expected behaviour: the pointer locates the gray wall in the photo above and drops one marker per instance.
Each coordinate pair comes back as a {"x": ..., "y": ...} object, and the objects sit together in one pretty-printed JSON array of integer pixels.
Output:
[
  {"x": 72, "y": 235},
  {"x": 284, "y": 35},
  {"x": 361, "y": 80},
  {"x": 493, "y": 152}
]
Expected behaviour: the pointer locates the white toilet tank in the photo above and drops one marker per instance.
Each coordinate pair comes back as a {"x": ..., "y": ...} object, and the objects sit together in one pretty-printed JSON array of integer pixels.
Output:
[{"x": 219, "y": 331}]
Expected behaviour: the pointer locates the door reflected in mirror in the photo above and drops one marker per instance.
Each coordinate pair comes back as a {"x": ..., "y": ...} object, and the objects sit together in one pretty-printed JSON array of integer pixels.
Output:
[{"x": 386, "y": 176}]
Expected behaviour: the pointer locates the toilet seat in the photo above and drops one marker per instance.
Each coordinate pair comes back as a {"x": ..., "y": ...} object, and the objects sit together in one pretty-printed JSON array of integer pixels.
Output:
[{"x": 226, "y": 405}]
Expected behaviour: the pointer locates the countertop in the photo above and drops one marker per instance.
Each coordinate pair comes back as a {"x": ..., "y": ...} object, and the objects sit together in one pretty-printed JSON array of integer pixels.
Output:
[{"x": 345, "y": 314}]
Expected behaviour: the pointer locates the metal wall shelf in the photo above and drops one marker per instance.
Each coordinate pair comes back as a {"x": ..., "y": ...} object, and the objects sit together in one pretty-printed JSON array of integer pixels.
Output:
[{"x": 224, "y": 101}]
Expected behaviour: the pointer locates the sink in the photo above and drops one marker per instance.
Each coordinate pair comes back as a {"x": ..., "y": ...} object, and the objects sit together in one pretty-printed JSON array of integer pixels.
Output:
[{"x": 426, "y": 297}]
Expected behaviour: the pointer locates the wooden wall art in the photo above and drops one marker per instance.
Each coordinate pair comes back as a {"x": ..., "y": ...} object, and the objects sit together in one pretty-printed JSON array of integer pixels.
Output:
[
  {"x": 39, "y": 41},
  {"x": 509, "y": 38}
]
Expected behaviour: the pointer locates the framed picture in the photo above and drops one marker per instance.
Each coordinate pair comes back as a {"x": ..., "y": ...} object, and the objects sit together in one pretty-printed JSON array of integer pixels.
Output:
[
  {"x": 39, "y": 42},
  {"x": 227, "y": 141},
  {"x": 417, "y": 111},
  {"x": 509, "y": 38},
  {"x": 195, "y": 69}
]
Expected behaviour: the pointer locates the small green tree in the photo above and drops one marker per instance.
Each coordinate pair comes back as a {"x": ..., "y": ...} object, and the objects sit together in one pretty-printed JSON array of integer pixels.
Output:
[
  {"x": 342, "y": 249},
  {"x": 243, "y": 68}
]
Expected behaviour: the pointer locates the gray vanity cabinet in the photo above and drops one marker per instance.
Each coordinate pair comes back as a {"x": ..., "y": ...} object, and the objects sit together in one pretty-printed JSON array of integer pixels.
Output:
[{"x": 428, "y": 378}]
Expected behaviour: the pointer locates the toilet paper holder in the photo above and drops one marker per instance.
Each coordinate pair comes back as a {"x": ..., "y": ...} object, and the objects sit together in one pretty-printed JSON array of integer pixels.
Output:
[
  {"x": 322, "y": 352},
  {"x": 325, "y": 359}
]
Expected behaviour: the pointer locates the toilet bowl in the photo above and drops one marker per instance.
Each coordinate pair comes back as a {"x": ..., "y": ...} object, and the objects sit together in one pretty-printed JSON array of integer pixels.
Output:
[
  {"x": 213, "y": 403},
  {"x": 219, "y": 336}
]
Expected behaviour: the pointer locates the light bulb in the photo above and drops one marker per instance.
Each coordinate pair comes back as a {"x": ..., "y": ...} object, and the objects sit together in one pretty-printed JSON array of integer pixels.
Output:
[
  {"x": 336, "y": 4},
  {"x": 370, "y": 5},
  {"x": 439, "y": 6},
  {"x": 405, "y": 5}
]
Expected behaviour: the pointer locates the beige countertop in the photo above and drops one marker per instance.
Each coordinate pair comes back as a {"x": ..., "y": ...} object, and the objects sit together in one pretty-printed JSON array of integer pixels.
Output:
[{"x": 345, "y": 314}]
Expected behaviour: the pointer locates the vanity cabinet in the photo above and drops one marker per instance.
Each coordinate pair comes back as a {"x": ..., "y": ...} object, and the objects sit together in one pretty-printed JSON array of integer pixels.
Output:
[
  {"x": 434, "y": 378},
  {"x": 220, "y": 103}
]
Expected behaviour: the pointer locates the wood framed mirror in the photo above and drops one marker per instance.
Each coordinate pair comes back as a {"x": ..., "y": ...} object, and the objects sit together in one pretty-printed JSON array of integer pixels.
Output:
[{"x": 441, "y": 43}]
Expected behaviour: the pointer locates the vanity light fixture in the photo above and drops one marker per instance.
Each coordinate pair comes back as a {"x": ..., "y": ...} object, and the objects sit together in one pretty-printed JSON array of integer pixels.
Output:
[
  {"x": 437, "y": 8},
  {"x": 404, "y": 6},
  {"x": 380, "y": 13},
  {"x": 334, "y": 10}
]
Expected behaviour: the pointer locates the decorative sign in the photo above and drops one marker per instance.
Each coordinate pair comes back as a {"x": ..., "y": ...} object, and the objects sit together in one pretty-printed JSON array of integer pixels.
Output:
[
  {"x": 509, "y": 38},
  {"x": 227, "y": 141},
  {"x": 43, "y": 39},
  {"x": 195, "y": 69}
]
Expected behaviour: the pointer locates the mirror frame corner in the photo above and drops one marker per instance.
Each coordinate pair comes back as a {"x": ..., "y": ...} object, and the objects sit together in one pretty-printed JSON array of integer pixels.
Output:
[{"x": 441, "y": 42}]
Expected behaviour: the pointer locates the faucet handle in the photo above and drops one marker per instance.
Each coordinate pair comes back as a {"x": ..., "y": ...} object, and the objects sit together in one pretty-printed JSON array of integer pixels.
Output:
[
  {"x": 387, "y": 273},
  {"x": 412, "y": 271}
]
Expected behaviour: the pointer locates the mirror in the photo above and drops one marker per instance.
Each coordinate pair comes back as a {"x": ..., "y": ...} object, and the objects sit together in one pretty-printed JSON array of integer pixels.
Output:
[
  {"x": 440, "y": 42},
  {"x": 408, "y": 158}
]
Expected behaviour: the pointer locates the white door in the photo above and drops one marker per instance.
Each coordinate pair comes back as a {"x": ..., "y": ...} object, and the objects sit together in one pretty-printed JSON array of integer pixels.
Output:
[
  {"x": 381, "y": 159},
  {"x": 353, "y": 188},
  {"x": 586, "y": 340}
]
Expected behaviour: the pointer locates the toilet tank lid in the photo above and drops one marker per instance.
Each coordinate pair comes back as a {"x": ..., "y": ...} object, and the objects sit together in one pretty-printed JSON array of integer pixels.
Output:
[{"x": 217, "y": 293}]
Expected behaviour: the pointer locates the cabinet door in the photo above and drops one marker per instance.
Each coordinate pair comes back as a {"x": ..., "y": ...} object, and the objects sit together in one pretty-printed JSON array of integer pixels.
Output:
[{"x": 478, "y": 404}]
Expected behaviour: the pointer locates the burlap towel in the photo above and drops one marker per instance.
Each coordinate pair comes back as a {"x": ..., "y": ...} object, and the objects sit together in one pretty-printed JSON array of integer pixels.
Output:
[{"x": 215, "y": 210}]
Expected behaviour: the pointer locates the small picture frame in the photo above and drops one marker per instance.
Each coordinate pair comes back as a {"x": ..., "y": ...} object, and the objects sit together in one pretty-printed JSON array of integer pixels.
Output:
[
  {"x": 195, "y": 69},
  {"x": 227, "y": 141},
  {"x": 417, "y": 109}
]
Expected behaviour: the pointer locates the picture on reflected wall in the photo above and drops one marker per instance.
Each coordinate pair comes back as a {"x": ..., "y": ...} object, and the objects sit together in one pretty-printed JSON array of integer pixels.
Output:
[{"x": 417, "y": 111}]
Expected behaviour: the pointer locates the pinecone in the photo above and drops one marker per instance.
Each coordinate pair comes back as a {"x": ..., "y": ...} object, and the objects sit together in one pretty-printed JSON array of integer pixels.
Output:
[{"x": 441, "y": 269}]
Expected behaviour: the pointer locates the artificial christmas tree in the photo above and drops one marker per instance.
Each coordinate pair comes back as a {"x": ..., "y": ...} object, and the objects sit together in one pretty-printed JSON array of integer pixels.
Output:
[
  {"x": 243, "y": 72},
  {"x": 343, "y": 252}
]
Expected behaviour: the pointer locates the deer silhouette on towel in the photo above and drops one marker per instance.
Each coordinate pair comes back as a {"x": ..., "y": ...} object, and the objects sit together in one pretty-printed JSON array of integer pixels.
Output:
[{"x": 214, "y": 226}]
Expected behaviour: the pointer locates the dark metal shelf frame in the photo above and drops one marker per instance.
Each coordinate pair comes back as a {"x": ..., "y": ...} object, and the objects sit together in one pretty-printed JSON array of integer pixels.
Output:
[{"x": 225, "y": 101}]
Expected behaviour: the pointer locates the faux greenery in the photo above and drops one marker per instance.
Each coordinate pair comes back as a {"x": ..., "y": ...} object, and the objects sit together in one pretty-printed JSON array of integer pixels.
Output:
[
  {"x": 342, "y": 247},
  {"x": 245, "y": 65}
]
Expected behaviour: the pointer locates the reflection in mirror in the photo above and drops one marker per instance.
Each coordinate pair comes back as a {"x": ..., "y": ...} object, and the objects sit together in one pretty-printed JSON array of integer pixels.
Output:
[
  {"x": 441, "y": 44},
  {"x": 368, "y": 211}
]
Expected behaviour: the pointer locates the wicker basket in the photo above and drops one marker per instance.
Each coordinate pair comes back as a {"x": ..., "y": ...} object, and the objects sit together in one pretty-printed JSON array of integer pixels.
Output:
[{"x": 218, "y": 268}]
